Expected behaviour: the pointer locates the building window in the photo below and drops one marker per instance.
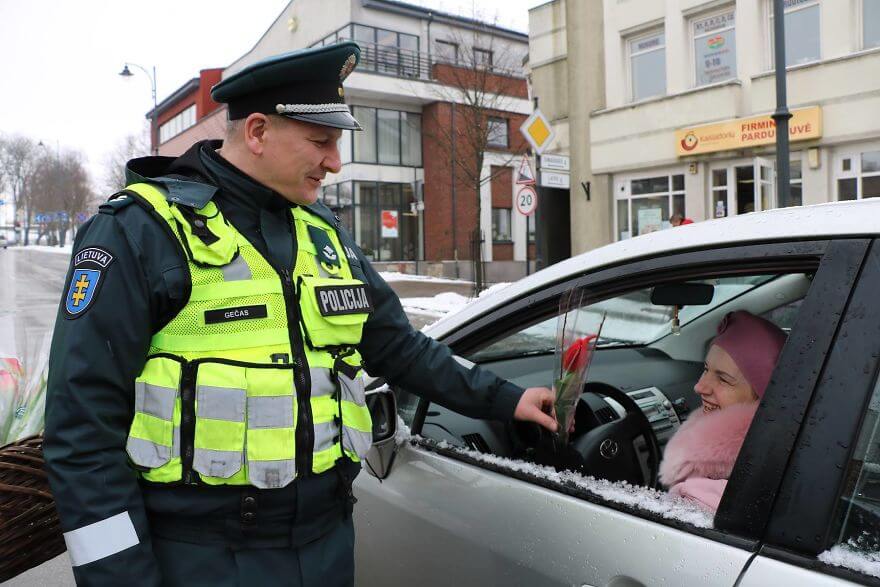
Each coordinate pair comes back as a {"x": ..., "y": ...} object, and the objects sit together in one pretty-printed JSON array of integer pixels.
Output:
[
  {"x": 380, "y": 218},
  {"x": 389, "y": 137},
  {"x": 796, "y": 183},
  {"x": 497, "y": 132},
  {"x": 714, "y": 48},
  {"x": 801, "y": 32},
  {"x": 501, "y": 225},
  {"x": 482, "y": 58},
  {"x": 178, "y": 124},
  {"x": 365, "y": 140},
  {"x": 385, "y": 51},
  {"x": 447, "y": 51},
  {"x": 858, "y": 176},
  {"x": 719, "y": 193},
  {"x": 411, "y": 139},
  {"x": 647, "y": 61},
  {"x": 870, "y": 23},
  {"x": 645, "y": 204}
]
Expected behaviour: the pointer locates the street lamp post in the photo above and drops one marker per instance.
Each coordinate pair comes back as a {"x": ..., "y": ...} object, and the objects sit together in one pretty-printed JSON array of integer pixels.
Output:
[
  {"x": 126, "y": 73},
  {"x": 781, "y": 116}
]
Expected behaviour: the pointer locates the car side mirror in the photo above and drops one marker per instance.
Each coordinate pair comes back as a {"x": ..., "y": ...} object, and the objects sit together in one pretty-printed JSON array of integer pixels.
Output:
[{"x": 382, "y": 404}]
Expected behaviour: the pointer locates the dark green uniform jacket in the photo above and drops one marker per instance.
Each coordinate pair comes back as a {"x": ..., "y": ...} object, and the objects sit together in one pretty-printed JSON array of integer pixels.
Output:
[{"x": 98, "y": 353}]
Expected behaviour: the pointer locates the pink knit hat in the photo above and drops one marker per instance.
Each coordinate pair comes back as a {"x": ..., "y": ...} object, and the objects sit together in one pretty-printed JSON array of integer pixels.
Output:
[{"x": 754, "y": 345}]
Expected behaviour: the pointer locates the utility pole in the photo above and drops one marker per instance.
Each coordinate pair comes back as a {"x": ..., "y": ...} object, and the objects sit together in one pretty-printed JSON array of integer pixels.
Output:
[{"x": 782, "y": 115}]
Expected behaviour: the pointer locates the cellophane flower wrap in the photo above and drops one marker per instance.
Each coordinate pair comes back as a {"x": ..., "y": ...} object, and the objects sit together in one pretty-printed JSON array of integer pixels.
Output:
[
  {"x": 23, "y": 373},
  {"x": 577, "y": 334}
]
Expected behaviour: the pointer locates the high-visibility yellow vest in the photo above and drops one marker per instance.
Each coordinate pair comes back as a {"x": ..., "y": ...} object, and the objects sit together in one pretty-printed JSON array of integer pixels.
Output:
[{"x": 257, "y": 379}]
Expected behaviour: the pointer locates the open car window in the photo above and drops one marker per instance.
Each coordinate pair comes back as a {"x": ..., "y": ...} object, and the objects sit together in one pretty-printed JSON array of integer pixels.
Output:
[
  {"x": 630, "y": 319},
  {"x": 639, "y": 354}
]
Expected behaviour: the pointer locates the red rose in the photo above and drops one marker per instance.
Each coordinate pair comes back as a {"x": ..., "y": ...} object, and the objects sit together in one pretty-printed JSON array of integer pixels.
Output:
[{"x": 577, "y": 355}]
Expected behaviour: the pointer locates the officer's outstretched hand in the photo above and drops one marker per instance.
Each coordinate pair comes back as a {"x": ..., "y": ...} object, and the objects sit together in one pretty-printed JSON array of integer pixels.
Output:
[{"x": 536, "y": 405}]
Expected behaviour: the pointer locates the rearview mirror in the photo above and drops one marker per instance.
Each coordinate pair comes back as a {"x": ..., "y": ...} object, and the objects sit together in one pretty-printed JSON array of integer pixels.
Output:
[
  {"x": 683, "y": 294},
  {"x": 382, "y": 404}
]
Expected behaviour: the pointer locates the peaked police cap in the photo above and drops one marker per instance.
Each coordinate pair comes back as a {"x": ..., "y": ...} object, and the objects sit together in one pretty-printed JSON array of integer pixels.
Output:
[{"x": 304, "y": 85}]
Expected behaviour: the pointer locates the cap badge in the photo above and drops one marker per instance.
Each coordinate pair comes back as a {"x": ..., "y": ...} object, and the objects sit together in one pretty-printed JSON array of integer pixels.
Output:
[{"x": 347, "y": 67}]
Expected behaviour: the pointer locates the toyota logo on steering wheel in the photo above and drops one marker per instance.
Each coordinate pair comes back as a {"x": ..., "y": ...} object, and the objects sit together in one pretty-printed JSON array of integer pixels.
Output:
[{"x": 609, "y": 448}]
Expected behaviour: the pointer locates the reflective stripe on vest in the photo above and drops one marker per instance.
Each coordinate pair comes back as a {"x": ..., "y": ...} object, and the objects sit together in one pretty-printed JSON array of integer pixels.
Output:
[{"x": 234, "y": 330}]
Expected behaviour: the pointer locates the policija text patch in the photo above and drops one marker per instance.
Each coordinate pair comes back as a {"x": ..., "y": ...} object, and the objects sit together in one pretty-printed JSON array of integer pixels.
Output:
[
  {"x": 339, "y": 300},
  {"x": 89, "y": 268},
  {"x": 232, "y": 314}
]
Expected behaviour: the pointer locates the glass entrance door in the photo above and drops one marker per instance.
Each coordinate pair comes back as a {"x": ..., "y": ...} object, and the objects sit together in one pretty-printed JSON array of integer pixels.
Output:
[
  {"x": 743, "y": 188},
  {"x": 765, "y": 174}
]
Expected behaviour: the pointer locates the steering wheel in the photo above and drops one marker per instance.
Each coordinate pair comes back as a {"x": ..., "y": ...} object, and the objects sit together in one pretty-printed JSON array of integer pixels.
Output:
[
  {"x": 607, "y": 450},
  {"x": 604, "y": 451}
]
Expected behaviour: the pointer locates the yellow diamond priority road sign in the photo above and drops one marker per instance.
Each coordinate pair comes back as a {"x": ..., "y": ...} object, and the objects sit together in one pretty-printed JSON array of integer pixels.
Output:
[{"x": 538, "y": 131}]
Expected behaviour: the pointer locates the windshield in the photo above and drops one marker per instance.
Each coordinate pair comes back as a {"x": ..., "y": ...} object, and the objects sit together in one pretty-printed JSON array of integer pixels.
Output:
[{"x": 630, "y": 319}]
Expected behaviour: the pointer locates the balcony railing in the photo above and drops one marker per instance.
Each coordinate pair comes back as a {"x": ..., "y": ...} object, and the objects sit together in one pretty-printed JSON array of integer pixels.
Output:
[{"x": 405, "y": 63}]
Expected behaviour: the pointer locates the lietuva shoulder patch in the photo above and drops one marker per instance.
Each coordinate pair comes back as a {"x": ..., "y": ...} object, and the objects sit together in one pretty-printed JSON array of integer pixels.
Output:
[
  {"x": 90, "y": 266},
  {"x": 116, "y": 203}
]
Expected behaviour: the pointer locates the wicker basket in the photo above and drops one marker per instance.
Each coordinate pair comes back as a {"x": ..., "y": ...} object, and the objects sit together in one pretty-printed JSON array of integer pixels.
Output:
[{"x": 30, "y": 533}]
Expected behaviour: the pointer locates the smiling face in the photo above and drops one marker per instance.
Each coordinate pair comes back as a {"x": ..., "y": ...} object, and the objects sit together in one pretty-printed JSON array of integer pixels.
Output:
[
  {"x": 722, "y": 383},
  {"x": 296, "y": 156}
]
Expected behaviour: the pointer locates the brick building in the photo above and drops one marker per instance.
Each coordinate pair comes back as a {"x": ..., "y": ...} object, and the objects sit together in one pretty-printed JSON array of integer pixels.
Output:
[{"x": 399, "y": 192}]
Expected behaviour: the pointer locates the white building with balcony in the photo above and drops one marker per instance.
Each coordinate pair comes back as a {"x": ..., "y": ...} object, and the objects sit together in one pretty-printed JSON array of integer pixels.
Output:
[{"x": 397, "y": 190}]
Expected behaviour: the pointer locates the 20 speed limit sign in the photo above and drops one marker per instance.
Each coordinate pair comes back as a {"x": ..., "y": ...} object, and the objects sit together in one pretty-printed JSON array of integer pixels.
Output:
[{"x": 526, "y": 200}]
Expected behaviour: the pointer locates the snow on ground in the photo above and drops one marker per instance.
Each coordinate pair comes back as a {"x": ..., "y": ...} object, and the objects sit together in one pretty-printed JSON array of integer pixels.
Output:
[
  {"x": 444, "y": 304},
  {"x": 395, "y": 276},
  {"x": 853, "y": 556},
  {"x": 65, "y": 250},
  {"x": 439, "y": 305}
]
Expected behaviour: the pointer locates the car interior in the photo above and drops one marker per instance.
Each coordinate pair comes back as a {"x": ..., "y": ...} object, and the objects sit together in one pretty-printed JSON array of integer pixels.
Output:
[{"x": 639, "y": 386}]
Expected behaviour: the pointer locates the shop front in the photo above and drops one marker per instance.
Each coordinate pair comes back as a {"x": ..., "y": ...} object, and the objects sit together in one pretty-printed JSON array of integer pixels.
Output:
[{"x": 729, "y": 168}]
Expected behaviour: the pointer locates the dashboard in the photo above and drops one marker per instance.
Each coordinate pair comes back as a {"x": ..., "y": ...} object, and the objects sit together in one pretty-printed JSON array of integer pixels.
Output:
[{"x": 662, "y": 387}]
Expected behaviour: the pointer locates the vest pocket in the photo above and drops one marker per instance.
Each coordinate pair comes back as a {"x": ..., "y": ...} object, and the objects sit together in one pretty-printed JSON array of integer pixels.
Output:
[
  {"x": 151, "y": 439},
  {"x": 357, "y": 426},
  {"x": 220, "y": 420},
  {"x": 333, "y": 310}
]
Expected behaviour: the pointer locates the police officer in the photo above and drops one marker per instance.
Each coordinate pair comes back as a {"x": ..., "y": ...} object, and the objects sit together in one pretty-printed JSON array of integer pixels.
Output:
[{"x": 205, "y": 414}]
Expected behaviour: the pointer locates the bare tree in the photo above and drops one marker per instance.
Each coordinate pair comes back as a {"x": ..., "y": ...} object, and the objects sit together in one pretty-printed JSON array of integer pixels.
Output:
[
  {"x": 61, "y": 194},
  {"x": 19, "y": 159},
  {"x": 477, "y": 83},
  {"x": 129, "y": 147}
]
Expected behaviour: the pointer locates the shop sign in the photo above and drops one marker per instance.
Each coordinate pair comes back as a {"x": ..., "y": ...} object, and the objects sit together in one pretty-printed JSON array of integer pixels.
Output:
[
  {"x": 715, "y": 48},
  {"x": 557, "y": 162},
  {"x": 743, "y": 133},
  {"x": 554, "y": 179},
  {"x": 650, "y": 220},
  {"x": 389, "y": 224}
]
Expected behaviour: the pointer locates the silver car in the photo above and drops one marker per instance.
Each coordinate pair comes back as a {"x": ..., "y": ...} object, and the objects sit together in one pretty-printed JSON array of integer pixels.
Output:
[{"x": 459, "y": 501}]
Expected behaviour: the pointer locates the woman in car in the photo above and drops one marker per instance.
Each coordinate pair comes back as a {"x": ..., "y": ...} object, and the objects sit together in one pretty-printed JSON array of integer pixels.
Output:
[{"x": 699, "y": 458}]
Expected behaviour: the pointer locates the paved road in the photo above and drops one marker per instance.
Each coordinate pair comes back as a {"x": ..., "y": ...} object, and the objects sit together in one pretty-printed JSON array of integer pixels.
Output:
[{"x": 29, "y": 300}]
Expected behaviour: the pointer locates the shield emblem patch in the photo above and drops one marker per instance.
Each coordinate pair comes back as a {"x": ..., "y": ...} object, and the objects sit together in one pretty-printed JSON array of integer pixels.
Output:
[{"x": 82, "y": 290}]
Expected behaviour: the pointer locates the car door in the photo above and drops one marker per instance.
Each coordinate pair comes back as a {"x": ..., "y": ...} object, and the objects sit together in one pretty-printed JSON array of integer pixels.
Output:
[
  {"x": 446, "y": 516},
  {"x": 834, "y": 471}
]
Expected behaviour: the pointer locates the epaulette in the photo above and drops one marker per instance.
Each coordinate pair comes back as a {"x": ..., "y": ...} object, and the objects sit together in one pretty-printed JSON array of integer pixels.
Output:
[{"x": 115, "y": 203}]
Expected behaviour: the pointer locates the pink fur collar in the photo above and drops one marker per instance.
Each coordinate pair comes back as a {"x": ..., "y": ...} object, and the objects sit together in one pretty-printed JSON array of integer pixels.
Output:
[{"x": 707, "y": 445}]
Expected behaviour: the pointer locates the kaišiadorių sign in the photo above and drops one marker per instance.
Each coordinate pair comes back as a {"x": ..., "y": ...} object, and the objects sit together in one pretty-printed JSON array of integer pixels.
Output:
[{"x": 742, "y": 133}]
